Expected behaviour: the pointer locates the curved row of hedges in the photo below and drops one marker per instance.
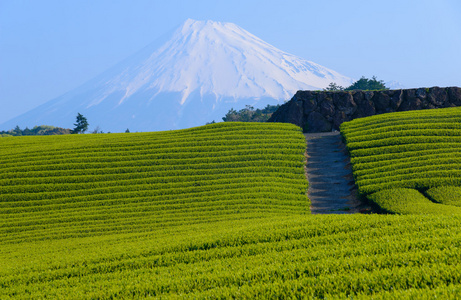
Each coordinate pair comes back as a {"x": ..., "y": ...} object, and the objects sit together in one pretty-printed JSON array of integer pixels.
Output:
[
  {"x": 394, "y": 152},
  {"x": 200, "y": 225},
  {"x": 79, "y": 185}
]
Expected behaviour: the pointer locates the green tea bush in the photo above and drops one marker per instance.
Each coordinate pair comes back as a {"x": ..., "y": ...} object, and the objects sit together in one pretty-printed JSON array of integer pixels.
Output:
[
  {"x": 450, "y": 195},
  {"x": 409, "y": 201},
  {"x": 84, "y": 182},
  {"x": 218, "y": 211},
  {"x": 417, "y": 150}
]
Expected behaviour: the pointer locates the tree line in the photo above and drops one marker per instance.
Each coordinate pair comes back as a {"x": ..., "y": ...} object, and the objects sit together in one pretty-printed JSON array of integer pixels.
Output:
[
  {"x": 250, "y": 114},
  {"x": 37, "y": 130},
  {"x": 363, "y": 83},
  {"x": 81, "y": 126}
]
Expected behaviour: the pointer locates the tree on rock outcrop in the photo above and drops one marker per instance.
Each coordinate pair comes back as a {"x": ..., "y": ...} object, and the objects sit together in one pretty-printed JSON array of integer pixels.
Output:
[
  {"x": 372, "y": 84},
  {"x": 250, "y": 114},
  {"x": 332, "y": 87}
]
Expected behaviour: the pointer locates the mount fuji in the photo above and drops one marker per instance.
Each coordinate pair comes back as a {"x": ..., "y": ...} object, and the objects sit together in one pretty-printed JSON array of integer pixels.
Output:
[{"x": 193, "y": 76}]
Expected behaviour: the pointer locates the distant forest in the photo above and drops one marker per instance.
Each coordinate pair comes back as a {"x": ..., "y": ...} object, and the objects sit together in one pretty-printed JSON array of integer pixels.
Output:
[
  {"x": 250, "y": 114},
  {"x": 37, "y": 130},
  {"x": 364, "y": 84}
]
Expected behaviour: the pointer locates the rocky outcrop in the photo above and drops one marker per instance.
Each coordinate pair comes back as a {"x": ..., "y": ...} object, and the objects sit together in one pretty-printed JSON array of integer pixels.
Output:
[{"x": 321, "y": 111}]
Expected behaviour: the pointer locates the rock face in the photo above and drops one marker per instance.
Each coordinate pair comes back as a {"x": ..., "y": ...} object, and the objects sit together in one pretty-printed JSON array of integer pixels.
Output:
[{"x": 319, "y": 111}]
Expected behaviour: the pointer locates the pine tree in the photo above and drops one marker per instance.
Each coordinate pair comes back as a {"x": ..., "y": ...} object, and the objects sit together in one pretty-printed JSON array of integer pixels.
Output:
[{"x": 81, "y": 124}]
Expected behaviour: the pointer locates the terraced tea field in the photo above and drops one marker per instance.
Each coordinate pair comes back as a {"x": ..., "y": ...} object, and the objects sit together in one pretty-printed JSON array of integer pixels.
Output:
[
  {"x": 401, "y": 159},
  {"x": 75, "y": 186},
  {"x": 218, "y": 211}
]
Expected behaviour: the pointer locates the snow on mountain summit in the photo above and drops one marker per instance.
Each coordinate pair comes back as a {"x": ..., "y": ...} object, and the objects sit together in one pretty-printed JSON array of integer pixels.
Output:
[
  {"x": 225, "y": 60},
  {"x": 204, "y": 69}
]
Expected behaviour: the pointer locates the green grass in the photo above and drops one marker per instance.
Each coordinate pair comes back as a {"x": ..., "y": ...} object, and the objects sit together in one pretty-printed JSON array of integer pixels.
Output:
[
  {"x": 218, "y": 211},
  {"x": 395, "y": 152}
]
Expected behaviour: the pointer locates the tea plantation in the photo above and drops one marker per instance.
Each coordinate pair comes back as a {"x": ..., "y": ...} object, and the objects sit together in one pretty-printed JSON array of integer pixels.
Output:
[
  {"x": 406, "y": 162},
  {"x": 218, "y": 211}
]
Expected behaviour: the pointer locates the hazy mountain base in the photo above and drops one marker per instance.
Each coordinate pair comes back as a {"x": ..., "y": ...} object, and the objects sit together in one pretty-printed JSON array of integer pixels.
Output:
[{"x": 156, "y": 114}]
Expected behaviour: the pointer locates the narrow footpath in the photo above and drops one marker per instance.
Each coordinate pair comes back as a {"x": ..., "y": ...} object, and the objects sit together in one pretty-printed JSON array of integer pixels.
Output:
[{"x": 331, "y": 185}]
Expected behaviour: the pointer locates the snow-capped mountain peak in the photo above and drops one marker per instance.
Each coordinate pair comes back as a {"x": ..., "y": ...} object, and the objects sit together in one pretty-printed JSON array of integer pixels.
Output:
[
  {"x": 204, "y": 69},
  {"x": 226, "y": 60}
]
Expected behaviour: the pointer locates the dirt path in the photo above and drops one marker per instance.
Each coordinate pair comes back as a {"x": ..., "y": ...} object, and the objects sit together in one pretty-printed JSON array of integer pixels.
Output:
[{"x": 331, "y": 185}]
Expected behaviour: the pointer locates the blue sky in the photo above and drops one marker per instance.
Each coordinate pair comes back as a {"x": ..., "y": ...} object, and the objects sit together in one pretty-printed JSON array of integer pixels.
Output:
[{"x": 49, "y": 47}]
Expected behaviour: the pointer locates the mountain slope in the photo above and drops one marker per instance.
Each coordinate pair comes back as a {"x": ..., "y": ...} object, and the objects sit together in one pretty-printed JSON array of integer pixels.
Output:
[{"x": 200, "y": 72}]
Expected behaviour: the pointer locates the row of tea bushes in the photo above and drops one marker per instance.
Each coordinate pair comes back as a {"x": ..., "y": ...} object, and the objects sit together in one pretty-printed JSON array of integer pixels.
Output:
[
  {"x": 397, "y": 157},
  {"x": 80, "y": 185},
  {"x": 282, "y": 257}
]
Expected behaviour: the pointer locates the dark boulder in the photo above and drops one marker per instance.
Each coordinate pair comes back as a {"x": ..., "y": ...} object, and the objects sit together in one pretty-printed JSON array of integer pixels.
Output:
[
  {"x": 327, "y": 108},
  {"x": 410, "y": 101},
  {"x": 454, "y": 95},
  {"x": 421, "y": 93},
  {"x": 382, "y": 102},
  {"x": 294, "y": 114},
  {"x": 310, "y": 105},
  {"x": 316, "y": 122},
  {"x": 437, "y": 96},
  {"x": 396, "y": 98},
  {"x": 344, "y": 102},
  {"x": 365, "y": 107},
  {"x": 339, "y": 118}
]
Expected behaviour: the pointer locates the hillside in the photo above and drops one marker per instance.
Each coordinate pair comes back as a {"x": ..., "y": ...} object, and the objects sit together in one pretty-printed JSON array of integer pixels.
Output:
[
  {"x": 218, "y": 211},
  {"x": 79, "y": 185},
  {"x": 397, "y": 158}
]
